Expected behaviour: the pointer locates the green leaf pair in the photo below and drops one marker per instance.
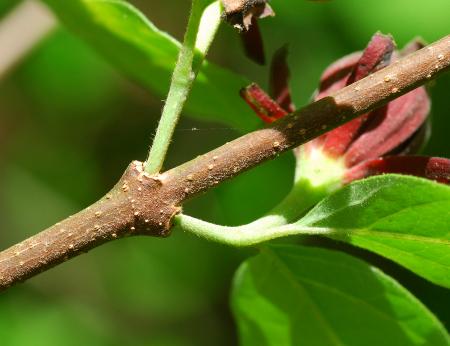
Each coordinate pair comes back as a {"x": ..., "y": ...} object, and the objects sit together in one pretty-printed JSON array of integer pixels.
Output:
[{"x": 294, "y": 295}]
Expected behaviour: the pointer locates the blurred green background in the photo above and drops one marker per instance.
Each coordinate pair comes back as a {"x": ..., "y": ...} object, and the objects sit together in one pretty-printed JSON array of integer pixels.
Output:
[{"x": 70, "y": 124}]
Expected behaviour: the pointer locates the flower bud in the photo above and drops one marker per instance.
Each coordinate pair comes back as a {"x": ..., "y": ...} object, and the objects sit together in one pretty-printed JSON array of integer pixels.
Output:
[{"x": 358, "y": 148}]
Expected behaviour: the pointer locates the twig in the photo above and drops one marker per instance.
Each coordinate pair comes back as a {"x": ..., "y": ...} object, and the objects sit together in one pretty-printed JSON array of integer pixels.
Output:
[
  {"x": 144, "y": 204},
  {"x": 309, "y": 122},
  {"x": 132, "y": 207}
]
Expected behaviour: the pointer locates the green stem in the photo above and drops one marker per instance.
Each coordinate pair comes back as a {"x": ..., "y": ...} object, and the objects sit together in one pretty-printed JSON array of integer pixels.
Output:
[
  {"x": 302, "y": 197},
  {"x": 242, "y": 236},
  {"x": 317, "y": 176},
  {"x": 201, "y": 29}
]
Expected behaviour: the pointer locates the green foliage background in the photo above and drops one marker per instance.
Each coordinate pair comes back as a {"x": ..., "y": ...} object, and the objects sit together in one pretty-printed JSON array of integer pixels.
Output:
[{"x": 69, "y": 125}]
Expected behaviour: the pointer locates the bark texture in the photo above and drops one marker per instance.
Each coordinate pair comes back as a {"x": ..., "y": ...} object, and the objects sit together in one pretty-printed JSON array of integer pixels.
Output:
[{"x": 133, "y": 207}]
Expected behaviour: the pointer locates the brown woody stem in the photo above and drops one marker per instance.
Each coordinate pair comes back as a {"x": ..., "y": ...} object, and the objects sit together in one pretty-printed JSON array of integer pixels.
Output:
[
  {"x": 143, "y": 204},
  {"x": 133, "y": 207}
]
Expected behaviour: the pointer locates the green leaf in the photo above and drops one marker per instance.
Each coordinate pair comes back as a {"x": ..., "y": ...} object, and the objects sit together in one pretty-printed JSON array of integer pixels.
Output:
[
  {"x": 291, "y": 295},
  {"x": 136, "y": 47},
  {"x": 403, "y": 218}
]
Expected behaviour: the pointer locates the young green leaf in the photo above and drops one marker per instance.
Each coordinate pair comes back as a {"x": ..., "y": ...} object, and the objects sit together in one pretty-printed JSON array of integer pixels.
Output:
[
  {"x": 128, "y": 40},
  {"x": 291, "y": 295},
  {"x": 403, "y": 218}
]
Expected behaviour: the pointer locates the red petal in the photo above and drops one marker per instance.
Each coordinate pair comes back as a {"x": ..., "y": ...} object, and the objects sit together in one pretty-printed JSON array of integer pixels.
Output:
[
  {"x": 375, "y": 57},
  {"x": 333, "y": 79},
  {"x": 415, "y": 143},
  {"x": 253, "y": 43},
  {"x": 335, "y": 76},
  {"x": 263, "y": 105},
  {"x": 390, "y": 127},
  {"x": 434, "y": 168},
  {"x": 279, "y": 80}
]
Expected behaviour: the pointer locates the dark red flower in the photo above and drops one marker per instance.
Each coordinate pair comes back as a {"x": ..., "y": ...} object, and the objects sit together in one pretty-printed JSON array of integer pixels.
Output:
[{"x": 365, "y": 145}]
